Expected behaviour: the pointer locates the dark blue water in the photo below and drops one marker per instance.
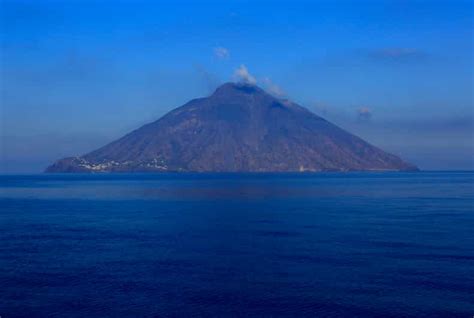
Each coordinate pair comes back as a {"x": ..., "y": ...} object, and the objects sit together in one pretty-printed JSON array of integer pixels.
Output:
[{"x": 327, "y": 245}]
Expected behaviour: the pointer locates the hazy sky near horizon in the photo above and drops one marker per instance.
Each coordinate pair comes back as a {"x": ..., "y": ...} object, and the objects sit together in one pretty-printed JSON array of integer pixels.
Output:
[{"x": 75, "y": 75}]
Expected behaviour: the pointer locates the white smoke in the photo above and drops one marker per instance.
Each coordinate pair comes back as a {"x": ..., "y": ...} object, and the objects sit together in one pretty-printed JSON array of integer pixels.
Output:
[
  {"x": 242, "y": 74},
  {"x": 273, "y": 88}
]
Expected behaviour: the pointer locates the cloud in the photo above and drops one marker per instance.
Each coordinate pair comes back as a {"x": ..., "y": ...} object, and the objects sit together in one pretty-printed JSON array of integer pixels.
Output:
[
  {"x": 272, "y": 88},
  {"x": 397, "y": 54},
  {"x": 364, "y": 114},
  {"x": 242, "y": 74},
  {"x": 221, "y": 53}
]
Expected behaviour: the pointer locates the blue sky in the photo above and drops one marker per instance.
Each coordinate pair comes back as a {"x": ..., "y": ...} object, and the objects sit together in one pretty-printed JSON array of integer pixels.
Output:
[{"x": 78, "y": 74}]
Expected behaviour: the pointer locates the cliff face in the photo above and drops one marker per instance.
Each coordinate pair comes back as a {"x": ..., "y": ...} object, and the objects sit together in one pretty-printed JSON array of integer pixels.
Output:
[{"x": 239, "y": 128}]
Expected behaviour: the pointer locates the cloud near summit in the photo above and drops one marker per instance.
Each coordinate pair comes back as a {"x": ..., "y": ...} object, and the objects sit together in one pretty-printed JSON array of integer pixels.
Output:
[{"x": 242, "y": 74}]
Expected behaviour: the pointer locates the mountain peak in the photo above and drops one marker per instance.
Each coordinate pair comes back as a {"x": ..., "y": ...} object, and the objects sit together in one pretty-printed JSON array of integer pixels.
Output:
[{"x": 231, "y": 88}]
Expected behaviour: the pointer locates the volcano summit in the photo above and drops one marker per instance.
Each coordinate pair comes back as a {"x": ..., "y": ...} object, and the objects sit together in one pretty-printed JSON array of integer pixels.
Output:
[{"x": 239, "y": 128}]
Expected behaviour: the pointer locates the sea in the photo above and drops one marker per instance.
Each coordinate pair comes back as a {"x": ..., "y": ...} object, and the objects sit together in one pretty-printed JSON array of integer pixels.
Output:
[{"x": 237, "y": 245}]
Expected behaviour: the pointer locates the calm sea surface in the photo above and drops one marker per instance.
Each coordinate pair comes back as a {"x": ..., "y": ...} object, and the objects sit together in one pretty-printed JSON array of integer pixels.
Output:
[{"x": 202, "y": 245}]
